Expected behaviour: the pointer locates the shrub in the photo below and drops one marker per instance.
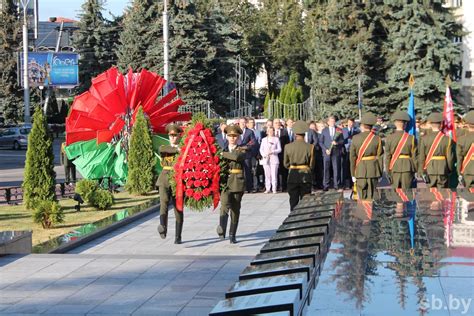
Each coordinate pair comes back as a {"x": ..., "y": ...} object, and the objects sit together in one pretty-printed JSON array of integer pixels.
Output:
[
  {"x": 141, "y": 159},
  {"x": 39, "y": 180},
  {"x": 86, "y": 189},
  {"x": 102, "y": 199},
  {"x": 48, "y": 213}
]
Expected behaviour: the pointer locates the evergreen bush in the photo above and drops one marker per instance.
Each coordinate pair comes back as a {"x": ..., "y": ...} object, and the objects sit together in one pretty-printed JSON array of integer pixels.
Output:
[
  {"x": 86, "y": 188},
  {"x": 141, "y": 159},
  {"x": 39, "y": 179},
  {"x": 48, "y": 213},
  {"x": 101, "y": 199}
]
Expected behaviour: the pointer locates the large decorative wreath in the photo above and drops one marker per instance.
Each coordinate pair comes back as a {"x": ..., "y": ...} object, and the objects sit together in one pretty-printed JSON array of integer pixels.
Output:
[{"x": 196, "y": 177}]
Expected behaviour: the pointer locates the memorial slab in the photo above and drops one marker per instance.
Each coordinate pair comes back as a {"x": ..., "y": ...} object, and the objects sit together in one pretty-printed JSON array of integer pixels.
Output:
[
  {"x": 281, "y": 301},
  {"x": 300, "y": 233},
  {"x": 293, "y": 281},
  {"x": 278, "y": 268},
  {"x": 284, "y": 255},
  {"x": 293, "y": 244},
  {"x": 323, "y": 222},
  {"x": 308, "y": 217}
]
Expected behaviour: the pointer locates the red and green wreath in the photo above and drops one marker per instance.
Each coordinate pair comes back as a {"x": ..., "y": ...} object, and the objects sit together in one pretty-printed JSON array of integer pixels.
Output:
[{"x": 196, "y": 177}]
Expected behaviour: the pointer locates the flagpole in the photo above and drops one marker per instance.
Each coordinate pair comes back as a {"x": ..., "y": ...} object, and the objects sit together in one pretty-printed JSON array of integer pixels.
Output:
[{"x": 359, "y": 95}]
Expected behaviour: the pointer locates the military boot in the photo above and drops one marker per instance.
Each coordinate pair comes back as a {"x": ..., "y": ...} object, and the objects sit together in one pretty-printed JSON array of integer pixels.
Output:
[
  {"x": 163, "y": 227},
  {"x": 179, "y": 229},
  {"x": 222, "y": 227},
  {"x": 232, "y": 232}
]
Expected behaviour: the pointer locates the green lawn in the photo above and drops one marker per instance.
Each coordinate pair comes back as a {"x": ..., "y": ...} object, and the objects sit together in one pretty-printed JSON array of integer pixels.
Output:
[{"x": 18, "y": 218}]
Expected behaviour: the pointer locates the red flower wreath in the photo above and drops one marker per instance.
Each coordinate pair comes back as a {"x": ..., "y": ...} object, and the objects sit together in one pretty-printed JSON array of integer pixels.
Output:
[{"x": 197, "y": 171}]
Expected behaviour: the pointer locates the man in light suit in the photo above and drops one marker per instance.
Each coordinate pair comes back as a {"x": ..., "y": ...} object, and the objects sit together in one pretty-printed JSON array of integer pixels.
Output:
[
  {"x": 247, "y": 139},
  {"x": 332, "y": 143},
  {"x": 221, "y": 137}
]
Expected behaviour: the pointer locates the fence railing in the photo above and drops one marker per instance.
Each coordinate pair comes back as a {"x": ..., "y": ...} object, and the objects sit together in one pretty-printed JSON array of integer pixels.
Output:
[
  {"x": 200, "y": 108},
  {"x": 245, "y": 109}
]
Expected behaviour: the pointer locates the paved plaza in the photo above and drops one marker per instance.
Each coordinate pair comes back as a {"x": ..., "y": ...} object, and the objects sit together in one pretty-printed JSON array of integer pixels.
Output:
[{"x": 133, "y": 271}]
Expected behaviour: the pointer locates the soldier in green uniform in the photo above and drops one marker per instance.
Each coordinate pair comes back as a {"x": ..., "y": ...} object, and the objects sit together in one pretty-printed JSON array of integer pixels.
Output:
[
  {"x": 231, "y": 197},
  {"x": 436, "y": 157},
  {"x": 401, "y": 151},
  {"x": 366, "y": 158},
  {"x": 465, "y": 153},
  {"x": 299, "y": 160},
  {"x": 69, "y": 166},
  {"x": 167, "y": 154}
]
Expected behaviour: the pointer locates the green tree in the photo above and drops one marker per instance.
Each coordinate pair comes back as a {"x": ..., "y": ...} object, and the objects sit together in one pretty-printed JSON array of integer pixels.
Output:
[
  {"x": 345, "y": 44},
  {"x": 420, "y": 42},
  {"x": 140, "y": 34},
  {"x": 141, "y": 160},
  {"x": 224, "y": 35},
  {"x": 191, "y": 52},
  {"x": 10, "y": 36},
  {"x": 39, "y": 178},
  {"x": 94, "y": 41}
]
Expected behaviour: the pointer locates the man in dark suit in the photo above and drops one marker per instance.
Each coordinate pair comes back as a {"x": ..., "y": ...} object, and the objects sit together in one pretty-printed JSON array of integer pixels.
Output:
[
  {"x": 312, "y": 137},
  {"x": 220, "y": 136},
  {"x": 247, "y": 140},
  {"x": 259, "y": 173},
  {"x": 282, "y": 134},
  {"x": 348, "y": 132},
  {"x": 332, "y": 143},
  {"x": 289, "y": 130}
]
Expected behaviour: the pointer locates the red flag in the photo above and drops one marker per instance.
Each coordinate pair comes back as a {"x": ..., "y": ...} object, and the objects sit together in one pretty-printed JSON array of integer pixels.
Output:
[{"x": 448, "y": 116}]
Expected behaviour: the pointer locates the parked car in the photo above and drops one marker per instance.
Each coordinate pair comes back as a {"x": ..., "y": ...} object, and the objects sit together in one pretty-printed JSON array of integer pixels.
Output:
[{"x": 14, "y": 137}]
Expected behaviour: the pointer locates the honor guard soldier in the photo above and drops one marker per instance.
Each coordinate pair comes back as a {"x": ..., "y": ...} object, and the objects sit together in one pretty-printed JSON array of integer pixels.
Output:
[
  {"x": 366, "y": 158},
  {"x": 436, "y": 157},
  {"x": 167, "y": 154},
  {"x": 465, "y": 153},
  {"x": 231, "y": 197},
  {"x": 401, "y": 153},
  {"x": 299, "y": 160}
]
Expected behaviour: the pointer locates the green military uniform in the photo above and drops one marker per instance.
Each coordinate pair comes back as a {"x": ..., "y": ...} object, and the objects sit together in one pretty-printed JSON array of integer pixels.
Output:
[
  {"x": 299, "y": 160},
  {"x": 369, "y": 169},
  {"x": 231, "y": 197},
  {"x": 442, "y": 163},
  {"x": 464, "y": 144},
  {"x": 69, "y": 166},
  {"x": 404, "y": 168},
  {"x": 167, "y": 154}
]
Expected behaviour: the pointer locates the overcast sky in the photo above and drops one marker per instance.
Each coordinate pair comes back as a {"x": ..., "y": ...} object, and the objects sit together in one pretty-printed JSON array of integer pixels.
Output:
[{"x": 71, "y": 8}]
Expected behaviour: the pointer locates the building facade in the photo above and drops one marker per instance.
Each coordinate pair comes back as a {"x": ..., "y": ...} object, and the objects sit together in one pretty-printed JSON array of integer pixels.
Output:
[{"x": 464, "y": 12}]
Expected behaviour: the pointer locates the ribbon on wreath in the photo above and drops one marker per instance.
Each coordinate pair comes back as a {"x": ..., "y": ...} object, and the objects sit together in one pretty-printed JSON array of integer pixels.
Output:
[
  {"x": 179, "y": 177},
  {"x": 215, "y": 177}
]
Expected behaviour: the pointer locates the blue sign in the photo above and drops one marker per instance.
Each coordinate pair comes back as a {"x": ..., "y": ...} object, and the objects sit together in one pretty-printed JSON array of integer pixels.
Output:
[{"x": 59, "y": 70}]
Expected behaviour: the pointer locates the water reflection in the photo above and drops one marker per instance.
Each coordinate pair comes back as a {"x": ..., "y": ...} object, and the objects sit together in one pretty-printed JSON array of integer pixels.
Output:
[{"x": 400, "y": 254}]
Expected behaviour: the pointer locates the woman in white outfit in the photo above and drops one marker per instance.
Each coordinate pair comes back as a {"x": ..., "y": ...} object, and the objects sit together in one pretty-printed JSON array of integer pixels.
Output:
[{"x": 269, "y": 150}]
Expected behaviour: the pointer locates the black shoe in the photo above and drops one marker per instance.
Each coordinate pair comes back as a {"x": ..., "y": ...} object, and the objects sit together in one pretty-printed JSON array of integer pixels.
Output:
[
  {"x": 325, "y": 189},
  {"x": 232, "y": 233},
  {"x": 162, "y": 228},
  {"x": 222, "y": 227},
  {"x": 179, "y": 229}
]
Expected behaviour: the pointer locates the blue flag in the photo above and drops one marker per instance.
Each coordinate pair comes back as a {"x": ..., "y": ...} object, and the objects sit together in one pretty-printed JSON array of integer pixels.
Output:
[{"x": 411, "y": 126}]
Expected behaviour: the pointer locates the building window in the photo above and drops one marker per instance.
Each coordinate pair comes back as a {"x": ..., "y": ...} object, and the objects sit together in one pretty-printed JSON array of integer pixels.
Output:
[
  {"x": 457, "y": 39},
  {"x": 468, "y": 74}
]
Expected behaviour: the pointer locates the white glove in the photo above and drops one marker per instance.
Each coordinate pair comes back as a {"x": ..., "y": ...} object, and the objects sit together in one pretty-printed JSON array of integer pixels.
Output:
[
  {"x": 354, "y": 179},
  {"x": 460, "y": 179}
]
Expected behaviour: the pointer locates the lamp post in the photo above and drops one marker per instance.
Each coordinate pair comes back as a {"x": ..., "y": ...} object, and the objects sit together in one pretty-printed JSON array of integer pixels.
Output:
[
  {"x": 165, "y": 41},
  {"x": 26, "y": 84}
]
